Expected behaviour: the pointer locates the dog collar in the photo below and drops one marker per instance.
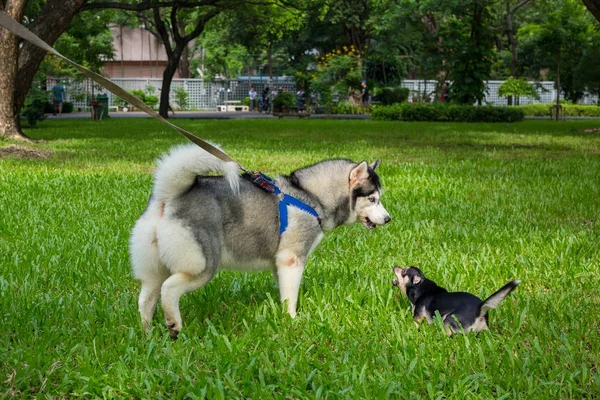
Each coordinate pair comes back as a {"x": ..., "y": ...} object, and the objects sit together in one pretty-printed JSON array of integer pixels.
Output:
[{"x": 268, "y": 184}]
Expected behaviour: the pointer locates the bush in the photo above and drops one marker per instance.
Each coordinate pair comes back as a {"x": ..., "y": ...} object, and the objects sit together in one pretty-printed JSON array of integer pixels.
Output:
[
  {"x": 345, "y": 107},
  {"x": 67, "y": 107},
  {"x": 571, "y": 110},
  {"x": 148, "y": 98},
  {"x": 443, "y": 113},
  {"x": 283, "y": 102},
  {"x": 181, "y": 98},
  {"x": 49, "y": 107},
  {"x": 34, "y": 112},
  {"x": 392, "y": 95}
]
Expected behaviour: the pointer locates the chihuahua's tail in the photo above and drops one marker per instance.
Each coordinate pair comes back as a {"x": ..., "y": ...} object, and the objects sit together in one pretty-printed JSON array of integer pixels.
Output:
[{"x": 492, "y": 302}]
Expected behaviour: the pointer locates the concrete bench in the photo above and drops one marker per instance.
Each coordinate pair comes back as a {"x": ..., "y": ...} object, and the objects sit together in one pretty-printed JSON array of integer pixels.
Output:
[{"x": 232, "y": 107}]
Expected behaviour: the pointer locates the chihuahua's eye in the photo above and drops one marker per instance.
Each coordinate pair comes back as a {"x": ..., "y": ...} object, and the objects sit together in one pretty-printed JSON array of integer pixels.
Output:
[{"x": 372, "y": 199}]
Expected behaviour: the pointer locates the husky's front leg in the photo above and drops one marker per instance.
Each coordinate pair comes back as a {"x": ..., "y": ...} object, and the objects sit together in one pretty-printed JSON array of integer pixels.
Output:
[{"x": 290, "y": 268}]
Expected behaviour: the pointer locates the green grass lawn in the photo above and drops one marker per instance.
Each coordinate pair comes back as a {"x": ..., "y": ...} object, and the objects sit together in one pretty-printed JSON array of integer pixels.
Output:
[{"x": 473, "y": 205}]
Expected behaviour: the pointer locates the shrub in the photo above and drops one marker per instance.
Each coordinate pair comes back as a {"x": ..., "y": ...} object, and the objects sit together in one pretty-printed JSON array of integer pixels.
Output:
[
  {"x": 391, "y": 95},
  {"x": 67, "y": 107},
  {"x": 148, "y": 98},
  {"x": 283, "y": 102},
  {"x": 345, "y": 107},
  {"x": 443, "y": 112},
  {"x": 34, "y": 112},
  {"x": 181, "y": 97},
  {"x": 571, "y": 110},
  {"x": 151, "y": 100},
  {"x": 49, "y": 107}
]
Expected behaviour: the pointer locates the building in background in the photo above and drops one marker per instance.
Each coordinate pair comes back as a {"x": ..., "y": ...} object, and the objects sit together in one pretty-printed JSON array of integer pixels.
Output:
[{"x": 138, "y": 54}]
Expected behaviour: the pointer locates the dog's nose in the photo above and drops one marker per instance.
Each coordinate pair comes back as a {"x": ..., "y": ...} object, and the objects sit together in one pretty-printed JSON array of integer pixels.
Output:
[{"x": 387, "y": 219}]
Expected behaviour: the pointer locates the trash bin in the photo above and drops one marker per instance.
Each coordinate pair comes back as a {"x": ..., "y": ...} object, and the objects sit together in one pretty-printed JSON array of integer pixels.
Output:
[{"x": 101, "y": 111}]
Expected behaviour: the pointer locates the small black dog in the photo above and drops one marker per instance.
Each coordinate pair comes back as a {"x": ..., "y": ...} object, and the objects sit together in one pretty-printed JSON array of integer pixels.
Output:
[{"x": 457, "y": 309}]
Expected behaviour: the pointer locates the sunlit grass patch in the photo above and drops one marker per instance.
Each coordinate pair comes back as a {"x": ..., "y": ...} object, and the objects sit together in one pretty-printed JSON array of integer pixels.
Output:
[{"x": 473, "y": 205}]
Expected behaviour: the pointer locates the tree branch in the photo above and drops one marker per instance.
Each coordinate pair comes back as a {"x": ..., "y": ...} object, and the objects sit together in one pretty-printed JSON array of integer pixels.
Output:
[
  {"x": 519, "y": 5},
  {"x": 174, "y": 24},
  {"x": 144, "y": 6},
  {"x": 200, "y": 26},
  {"x": 162, "y": 31}
]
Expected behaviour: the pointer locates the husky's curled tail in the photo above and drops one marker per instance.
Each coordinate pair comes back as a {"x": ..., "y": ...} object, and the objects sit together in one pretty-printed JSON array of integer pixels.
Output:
[{"x": 177, "y": 170}]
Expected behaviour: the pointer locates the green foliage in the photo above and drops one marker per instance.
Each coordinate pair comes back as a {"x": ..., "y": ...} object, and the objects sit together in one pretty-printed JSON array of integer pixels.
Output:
[
  {"x": 558, "y": 41},
  {"x": 49, "y": 107},
  {"x": 88, "y": 41},
  {"x": 391, "y": 95},
  {"x": 181, "y": 97},
  {"x": 346, "y": 108},
  {"x": 443, "y": 112},
  {"x": 284, "y": 101},
  {"x": 338, "y": 72},
  {"x": 517, "y": 87},
  {"x": 571, "y": 110},
  {"x": 33, "y": 110},
  {"x": 146, "y": 96},
  {"x": 472, "y": 63}
]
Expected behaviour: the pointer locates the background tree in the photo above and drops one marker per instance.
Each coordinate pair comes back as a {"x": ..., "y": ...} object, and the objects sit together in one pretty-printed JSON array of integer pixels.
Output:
[
  {"x": 558, "y": 41},
  {"x": 19, "y": 64}
]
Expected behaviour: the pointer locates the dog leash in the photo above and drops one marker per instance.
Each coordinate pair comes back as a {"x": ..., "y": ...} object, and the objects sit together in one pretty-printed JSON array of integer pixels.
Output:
[{"x": 258, "y": 178}]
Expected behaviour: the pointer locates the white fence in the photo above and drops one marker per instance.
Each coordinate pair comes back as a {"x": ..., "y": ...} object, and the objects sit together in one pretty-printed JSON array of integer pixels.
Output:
[
  {"x": 202, "y": 95},
  {"x": 545, "y": 89},
  {"x": 206, "y": 95}
]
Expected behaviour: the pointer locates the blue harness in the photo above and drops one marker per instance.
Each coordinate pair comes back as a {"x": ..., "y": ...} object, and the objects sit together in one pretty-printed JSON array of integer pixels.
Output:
[{"x": 285, "y": 200}]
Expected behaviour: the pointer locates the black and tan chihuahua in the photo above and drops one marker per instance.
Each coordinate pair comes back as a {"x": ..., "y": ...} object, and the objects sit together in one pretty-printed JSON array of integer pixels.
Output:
[{"x": 460, "y": 311}]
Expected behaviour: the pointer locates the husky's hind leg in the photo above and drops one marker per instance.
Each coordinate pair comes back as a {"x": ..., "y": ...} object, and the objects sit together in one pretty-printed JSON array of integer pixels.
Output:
[
  {"x": 173, "y": 288},
  {"x": 149, "y": 296},
  {"x": 146, "y": 263}
]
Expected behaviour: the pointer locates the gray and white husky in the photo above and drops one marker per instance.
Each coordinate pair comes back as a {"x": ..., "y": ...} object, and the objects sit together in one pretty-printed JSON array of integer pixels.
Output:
[{"x": 196, "y": 223}]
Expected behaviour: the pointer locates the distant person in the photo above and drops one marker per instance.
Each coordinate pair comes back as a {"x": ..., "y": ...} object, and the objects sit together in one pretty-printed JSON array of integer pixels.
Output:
[
  {"x": 252, "y": 95},
  {"x": 300, "y": 100},
  {"x": 445, "y": 93},
  {"x": 58, "y": 92},
  {"x": 265, "y": 97},
  {"x": 364, "y": 97}
]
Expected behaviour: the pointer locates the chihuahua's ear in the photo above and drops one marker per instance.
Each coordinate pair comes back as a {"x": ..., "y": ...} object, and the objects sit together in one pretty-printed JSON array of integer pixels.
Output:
[{"x": 416, "y": 280}]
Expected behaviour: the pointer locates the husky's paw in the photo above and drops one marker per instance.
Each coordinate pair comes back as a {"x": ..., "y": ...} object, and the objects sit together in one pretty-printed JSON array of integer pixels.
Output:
[{"x": 173, "y": 330}]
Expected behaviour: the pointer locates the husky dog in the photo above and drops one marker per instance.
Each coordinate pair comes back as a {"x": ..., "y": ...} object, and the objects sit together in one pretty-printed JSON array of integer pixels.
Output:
[{"x": 196, "y": 223}]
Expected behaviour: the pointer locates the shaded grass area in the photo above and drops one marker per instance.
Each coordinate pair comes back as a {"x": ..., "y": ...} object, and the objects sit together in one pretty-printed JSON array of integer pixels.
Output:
[{"x": 473, "y": 205}]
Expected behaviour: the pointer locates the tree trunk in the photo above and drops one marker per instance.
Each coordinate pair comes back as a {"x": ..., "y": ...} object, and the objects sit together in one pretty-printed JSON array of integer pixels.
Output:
[
  {"x": 558, "y": 86},
  {"x": 52, "y": 21},
  {"x": 168, "y": 74},
  {"x": 594, "y": 7},
  {"x": 9, "y": 54}
]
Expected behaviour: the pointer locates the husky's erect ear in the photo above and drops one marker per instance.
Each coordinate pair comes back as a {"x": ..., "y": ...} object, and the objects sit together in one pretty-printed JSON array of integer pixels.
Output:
[
  {"x": 375, "y": 164},
  {"x": 359, "y": 173}
]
